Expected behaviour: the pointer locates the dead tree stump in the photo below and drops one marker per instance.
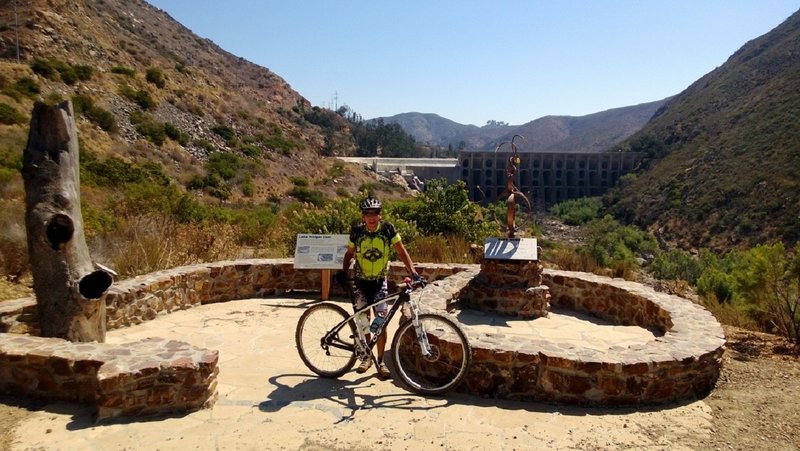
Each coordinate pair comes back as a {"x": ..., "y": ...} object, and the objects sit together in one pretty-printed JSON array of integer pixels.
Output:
[{"x": 68, "y": 287}]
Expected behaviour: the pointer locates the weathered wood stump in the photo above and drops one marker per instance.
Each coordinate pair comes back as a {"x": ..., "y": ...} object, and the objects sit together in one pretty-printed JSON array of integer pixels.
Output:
[{"x": 68, "y": 288}]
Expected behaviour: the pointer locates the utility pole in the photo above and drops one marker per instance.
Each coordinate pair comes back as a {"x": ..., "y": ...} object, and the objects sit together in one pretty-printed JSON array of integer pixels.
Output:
[{"x": 16, "y": 29}]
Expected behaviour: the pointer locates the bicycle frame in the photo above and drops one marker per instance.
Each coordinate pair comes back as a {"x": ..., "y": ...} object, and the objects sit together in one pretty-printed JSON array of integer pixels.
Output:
[{"x": 363, "y": 347}]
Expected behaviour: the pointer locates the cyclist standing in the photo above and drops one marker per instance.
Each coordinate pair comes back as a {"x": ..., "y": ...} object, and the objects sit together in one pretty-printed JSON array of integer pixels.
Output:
[{"x": 369, "y": 245}]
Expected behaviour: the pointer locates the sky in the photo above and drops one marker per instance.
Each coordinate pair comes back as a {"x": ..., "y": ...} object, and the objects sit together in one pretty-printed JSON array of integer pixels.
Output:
[{"x": 472, "y": 61}]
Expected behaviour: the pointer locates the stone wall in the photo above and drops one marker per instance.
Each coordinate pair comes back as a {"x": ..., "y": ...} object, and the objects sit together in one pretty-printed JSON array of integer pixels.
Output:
[
  {"x": 684, "y": 362},
  {"x": 153, "y": 376},
  {"x": 508, "y": 287}
]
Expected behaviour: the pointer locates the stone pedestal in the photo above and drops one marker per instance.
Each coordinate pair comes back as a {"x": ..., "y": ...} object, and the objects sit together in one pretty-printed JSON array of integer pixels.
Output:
[{"x": 508, "y": 287}]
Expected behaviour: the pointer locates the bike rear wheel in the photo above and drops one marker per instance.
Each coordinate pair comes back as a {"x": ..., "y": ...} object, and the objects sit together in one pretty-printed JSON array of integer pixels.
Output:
[
  {"x": 445, "y": 368},
  {"x": 320, "y": 357}
]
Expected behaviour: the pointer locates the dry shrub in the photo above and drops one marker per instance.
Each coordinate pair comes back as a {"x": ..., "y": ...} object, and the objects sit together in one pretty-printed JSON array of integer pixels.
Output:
[
  {"x": 569, "y": 259},
  {"x": 727, "y": 313},
  {"x": 444, "y": 249},
  {"x": 14, "y": 261},
  {"x": 145, "y": 244}
]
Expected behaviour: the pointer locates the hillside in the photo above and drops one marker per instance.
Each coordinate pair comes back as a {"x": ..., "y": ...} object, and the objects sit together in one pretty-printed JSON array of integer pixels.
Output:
[
  {"x": 596, "y": 132},
  {"x": 146, "y": 69},
  {"x": 724, "y": 153}
]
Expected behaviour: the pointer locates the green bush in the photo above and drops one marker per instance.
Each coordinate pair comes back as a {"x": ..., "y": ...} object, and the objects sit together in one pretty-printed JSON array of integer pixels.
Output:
[
  {"x": 115, "y": 172},
  {"x": 716, "y": 285},
  {"x": 204, "y": 144},
  {"x": 153, "y": 132},
  {"x": 276, "y": 141},
  {"x": 10, "y": 164},
  {"x": 224, "y": 164},
  {"x": 83, "y": 72},
  {"x": 55, "y": 69},
  {"x": 175, "y": 134},
  {"x": 121, "y": 70},
  {"x": 578, "y": 211},
  {"x": 676, "y": 264},
  {"x": 250, "y": 150},
  {"x": 27, "y": 87},
  {"x": 303, "y": 194},
  {"x": 224, "y": 132},
  {"x": 255, "y": 224},
  {"x": 44, "y": 68},
  {"x": 446, "y": 210},
  {"x": 338, "y": 216},
  {"x": 248, "y": 186},
  {"x": 613, "y": 245},
  {"x": 10, "y": 116},
  {"x": 83, "y": 104},
  {"x": 140, "y": 96},
  {"x": 103, "y": 118},
  {"x": 298, "y": 180},
  {"x": 155, "y": 76},
  {"x": 335, "y": 217}
]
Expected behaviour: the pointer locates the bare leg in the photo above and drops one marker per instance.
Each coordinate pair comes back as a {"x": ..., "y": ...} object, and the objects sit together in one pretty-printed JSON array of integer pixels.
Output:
[{"x": 381, "y": 344}]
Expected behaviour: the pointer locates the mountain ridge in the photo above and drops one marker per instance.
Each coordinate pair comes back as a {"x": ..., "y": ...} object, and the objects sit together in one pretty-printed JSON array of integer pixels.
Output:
[
  {"x": 596, "y": 132},
  {"x": 723, "y": 154}
]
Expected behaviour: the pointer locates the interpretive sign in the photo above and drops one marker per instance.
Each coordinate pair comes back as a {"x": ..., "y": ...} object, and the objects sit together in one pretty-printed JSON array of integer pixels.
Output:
[
  {"x": 320, "y": 251},
  {"x": 510, "y": 249}
]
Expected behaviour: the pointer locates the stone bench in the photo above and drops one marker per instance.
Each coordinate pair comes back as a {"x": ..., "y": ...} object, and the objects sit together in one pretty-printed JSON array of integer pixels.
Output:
[{"x": 140, "y": 378}]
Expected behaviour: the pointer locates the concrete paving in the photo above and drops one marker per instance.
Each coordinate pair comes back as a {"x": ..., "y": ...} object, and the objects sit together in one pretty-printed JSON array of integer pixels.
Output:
[{"x": 267, "y": 398}]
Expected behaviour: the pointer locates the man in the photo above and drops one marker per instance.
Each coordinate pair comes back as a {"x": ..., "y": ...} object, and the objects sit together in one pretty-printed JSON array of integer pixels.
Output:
[{"x": 369, "y": 245}]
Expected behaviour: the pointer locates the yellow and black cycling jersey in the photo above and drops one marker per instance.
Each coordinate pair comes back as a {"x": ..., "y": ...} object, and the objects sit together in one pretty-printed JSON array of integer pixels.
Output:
[{"x": 372, "y": 249}]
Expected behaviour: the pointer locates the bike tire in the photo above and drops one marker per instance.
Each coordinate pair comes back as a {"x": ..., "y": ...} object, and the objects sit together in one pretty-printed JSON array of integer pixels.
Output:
[
  {"x": 312, "y": 327},
  {"x": 445, "y": 368}
]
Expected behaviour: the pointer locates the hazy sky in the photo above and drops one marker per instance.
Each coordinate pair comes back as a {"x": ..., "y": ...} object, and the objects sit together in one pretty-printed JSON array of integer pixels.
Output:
[{"x": 472, "y": 61}]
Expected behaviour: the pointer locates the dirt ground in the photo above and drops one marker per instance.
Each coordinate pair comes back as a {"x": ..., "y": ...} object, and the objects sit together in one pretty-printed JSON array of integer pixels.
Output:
[{"x": 754, "y": 403}]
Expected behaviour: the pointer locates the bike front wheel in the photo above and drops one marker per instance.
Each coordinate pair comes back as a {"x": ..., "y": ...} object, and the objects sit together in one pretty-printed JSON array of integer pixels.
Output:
[
  {"x": 444, "y": 367},
  {"x": 332, "y": 357}
]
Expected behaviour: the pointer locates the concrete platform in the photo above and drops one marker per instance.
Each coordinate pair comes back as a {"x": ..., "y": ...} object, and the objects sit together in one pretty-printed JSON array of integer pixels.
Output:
[{"x": 267, "y": 399}]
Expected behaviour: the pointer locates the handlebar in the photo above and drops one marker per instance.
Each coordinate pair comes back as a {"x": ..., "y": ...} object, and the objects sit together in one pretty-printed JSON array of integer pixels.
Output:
[
  {"x": 411, "y": 282},
  {"x": 415, "y": 282}
]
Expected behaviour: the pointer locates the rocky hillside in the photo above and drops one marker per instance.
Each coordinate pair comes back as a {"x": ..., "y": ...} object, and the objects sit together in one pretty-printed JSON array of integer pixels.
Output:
[
  {"x": 596, "y": 132},
  {"x": 148, "y": 71},
  {"x": 724, "y": 154}
]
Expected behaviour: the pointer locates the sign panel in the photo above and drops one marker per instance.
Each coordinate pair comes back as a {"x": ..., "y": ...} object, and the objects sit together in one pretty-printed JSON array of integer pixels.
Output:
[
  {"x": 510, "y": 249},
  {"x": 320, "y": 251}
]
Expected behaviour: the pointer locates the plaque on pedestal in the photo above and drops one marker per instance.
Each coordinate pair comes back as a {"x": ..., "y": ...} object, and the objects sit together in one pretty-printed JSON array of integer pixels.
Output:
[{"x": 510, "y": 249}]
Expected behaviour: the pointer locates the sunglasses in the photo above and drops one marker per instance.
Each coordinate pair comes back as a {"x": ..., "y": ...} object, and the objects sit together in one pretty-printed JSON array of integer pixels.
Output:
[{"x": 371, "y": 213}]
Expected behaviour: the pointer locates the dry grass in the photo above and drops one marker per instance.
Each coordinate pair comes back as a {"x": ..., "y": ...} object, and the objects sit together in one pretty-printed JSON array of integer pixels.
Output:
[
  {"x": 13, "y": 242},
  {"x": 441, "y": 249},
  {"x": 728, "y": 314},
  {"x": 145, "y": 244},
  {"x": 15, "y": 290},
  {"x": 570, "y": 259}
]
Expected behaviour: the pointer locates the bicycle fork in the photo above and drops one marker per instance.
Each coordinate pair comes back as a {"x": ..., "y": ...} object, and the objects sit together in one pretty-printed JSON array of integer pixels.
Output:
[{"x": 422, "y": 336}]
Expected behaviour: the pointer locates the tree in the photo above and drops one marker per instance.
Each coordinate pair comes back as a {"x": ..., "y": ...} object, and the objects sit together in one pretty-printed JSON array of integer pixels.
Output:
[{"x": 68, "y": 289}]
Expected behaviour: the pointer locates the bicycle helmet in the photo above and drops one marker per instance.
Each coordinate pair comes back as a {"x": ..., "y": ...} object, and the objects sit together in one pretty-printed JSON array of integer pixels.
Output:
[{"x": 370, "y": 203}]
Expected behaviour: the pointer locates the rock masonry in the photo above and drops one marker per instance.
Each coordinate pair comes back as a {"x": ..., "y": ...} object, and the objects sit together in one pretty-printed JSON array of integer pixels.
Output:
[{"x": 158, "y": 376}]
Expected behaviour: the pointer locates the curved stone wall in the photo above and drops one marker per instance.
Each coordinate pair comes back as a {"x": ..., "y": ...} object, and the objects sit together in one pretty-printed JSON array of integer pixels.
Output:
[{"x": 683, "y": 363}]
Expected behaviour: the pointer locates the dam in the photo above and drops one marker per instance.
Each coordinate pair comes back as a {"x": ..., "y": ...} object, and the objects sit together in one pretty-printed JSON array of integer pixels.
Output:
[{"x": 546, "y": 178}]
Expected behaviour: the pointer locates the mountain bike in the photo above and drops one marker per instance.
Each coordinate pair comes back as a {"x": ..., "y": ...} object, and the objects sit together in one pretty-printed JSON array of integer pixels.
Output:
[{"x": 431, "y": 353}]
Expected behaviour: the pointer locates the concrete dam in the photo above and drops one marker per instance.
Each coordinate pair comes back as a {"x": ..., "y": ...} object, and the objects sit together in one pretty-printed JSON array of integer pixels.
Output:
[{"x": 546, "y": 178}]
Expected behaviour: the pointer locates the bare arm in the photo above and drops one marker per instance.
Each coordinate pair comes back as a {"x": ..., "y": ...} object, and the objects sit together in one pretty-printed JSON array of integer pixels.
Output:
[
  {"x": 406, "y": 259},
  {"x": 348, "y": 258}
]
